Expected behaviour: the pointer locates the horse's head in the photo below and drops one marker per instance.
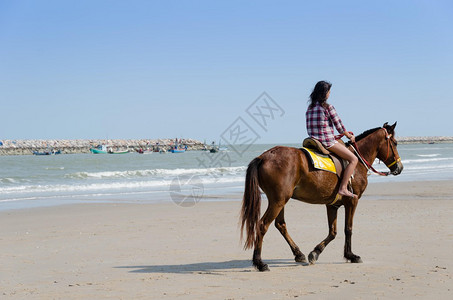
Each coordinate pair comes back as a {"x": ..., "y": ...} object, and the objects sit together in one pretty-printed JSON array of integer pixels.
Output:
[{"x": 387, "y": 151}]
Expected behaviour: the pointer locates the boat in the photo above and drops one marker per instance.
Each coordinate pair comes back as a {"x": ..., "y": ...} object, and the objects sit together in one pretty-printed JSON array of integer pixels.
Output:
[
  {"x": 215, "y": 149},
  {"x": 205, "y": 147},
  {"x": 102, "y": 149},
  {"x": 97, "y": 151},
  {"x": 117, "y": 152},
  {"x": 48, "y": 152},
  {"x": 146, "y": 151},
  {"x": 177, "y": 148}
]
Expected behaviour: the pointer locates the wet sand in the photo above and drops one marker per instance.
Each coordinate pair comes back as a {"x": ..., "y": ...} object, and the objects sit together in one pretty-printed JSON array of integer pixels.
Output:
[{"x": 402, "y": 231}]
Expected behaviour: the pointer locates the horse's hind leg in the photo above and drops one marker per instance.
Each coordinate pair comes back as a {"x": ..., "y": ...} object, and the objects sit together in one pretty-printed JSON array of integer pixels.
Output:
[
  {"x": 271, "y": 213},
  {"x": 332, "y": 220},
  {"x": 281, "y": 226}
]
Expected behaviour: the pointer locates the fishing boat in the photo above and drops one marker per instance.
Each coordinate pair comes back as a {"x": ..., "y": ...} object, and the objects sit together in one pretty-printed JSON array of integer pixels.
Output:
[
  {"x": 205, "y": 147},
  {"x": 177, "y": 150},
  {"x": 102, "y": 149},
  {"x": 219, "y": 148},
  {"x": 145, "y": 151},
  {"x": 117, "y": 152},
  {"x": 48, "y": 152}
]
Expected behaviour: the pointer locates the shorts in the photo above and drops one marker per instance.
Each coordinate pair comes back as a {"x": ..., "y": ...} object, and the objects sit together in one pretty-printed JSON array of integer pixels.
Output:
[{"x": 336, "y": 142}]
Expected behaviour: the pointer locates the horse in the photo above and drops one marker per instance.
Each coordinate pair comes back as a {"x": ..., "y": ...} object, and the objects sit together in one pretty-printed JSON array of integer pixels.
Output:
[{"x": 283, "y": 173}]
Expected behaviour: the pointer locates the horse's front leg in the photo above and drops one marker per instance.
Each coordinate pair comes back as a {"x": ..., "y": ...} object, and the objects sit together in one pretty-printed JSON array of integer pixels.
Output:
[
  {"x": 332, "y": 220},
  {"x": 350, "y": 207}
]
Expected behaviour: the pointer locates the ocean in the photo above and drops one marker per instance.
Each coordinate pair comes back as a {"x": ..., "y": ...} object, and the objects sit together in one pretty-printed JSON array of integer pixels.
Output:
[{"x": 183, "y": 178}]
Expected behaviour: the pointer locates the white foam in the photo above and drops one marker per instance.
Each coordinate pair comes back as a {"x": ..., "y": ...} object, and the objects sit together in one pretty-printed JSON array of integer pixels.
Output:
[
  {"x": 410, "y": 161},
  {"x": 429, "y": 167},
  {"x": 8, "y": 180},
  {"x": 428, "y": 155},
  {"x": 156, "y": 172},
  {"x": 163, "y": 183}
]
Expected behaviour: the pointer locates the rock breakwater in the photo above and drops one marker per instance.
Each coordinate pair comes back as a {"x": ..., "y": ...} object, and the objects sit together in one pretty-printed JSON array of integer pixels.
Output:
[
  {"x": 27, "y": 147},
  {"x": 425, "y": 139}
]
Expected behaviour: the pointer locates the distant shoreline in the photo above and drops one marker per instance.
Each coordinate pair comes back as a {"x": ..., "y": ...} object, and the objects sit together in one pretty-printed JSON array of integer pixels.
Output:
[
  {"x": 425, "y": 139},
  {"x": 27, "y": 147}
]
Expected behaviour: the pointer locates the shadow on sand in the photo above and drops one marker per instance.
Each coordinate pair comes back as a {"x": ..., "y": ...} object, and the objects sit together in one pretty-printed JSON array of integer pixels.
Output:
[{"x": 209, "y": 267}]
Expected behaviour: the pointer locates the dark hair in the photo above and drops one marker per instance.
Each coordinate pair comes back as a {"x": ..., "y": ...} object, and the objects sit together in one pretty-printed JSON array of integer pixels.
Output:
[{"x": 319, "y": 94}]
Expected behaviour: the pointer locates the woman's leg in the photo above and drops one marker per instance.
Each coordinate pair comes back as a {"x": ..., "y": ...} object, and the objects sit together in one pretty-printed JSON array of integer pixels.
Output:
[{"x": 344, "y": 153}]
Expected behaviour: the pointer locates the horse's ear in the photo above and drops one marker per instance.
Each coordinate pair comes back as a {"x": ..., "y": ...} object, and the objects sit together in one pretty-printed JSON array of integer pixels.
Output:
[
  {"x": 391, "y": 129},
  {"x": 385, "y": 124},
  {"x": 394, "y": 125}
]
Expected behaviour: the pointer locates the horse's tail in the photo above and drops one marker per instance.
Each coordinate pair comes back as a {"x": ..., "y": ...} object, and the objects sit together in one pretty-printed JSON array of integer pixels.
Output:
[{"x": 251, "y": 204}]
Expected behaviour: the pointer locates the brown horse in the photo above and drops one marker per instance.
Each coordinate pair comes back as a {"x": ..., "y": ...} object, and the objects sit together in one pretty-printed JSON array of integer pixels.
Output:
[{"x": 283, "y": 173}]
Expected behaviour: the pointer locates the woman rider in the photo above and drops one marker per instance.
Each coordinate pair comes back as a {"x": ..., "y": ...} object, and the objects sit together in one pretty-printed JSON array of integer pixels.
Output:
[{"x": 321, "y": 120}]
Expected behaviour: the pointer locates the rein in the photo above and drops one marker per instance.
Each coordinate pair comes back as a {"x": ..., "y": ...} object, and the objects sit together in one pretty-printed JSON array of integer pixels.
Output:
[{"x": 365, "y": 162}]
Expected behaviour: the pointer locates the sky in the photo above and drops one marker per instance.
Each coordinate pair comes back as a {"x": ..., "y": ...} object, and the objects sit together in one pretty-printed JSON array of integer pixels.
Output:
[{"x": 197, "y": 69}]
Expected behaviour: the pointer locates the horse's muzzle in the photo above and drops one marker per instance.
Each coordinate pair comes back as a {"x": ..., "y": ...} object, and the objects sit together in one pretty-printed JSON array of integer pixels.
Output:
[{"x": 397, "y": 168}]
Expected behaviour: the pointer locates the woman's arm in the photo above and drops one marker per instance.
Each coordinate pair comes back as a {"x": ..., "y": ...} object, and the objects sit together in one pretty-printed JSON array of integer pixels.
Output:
[
  {"x": 338, "y": 123},
  {"x": 335, "y": 119}
]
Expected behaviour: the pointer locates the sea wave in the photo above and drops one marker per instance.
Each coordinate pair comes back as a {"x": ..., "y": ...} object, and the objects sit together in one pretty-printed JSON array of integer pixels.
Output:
[
  {"x": 8, "y": 180},
  {"x": 429, "y": 167},
  {"x": 156, "y": 173},
  {"x": 424, "y": 160},
  {"x": 162, "y": 184}
]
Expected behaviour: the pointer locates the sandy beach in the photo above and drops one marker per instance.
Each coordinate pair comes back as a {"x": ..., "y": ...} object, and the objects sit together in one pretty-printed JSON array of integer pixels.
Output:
[{"x": 402, "y": 231}]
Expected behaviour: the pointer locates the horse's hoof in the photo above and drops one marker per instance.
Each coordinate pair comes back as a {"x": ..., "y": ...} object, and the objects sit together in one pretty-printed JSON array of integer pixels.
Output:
[
  {"x": 312, "y": 257},
  {"x": 356, "y": 260},
  {"x": 263, "y": 268},
  {"x": 300, "y": 259}
]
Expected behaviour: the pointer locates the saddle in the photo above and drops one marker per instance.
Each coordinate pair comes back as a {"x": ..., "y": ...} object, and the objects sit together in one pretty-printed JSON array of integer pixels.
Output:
[{"x": 314, "y": 146}]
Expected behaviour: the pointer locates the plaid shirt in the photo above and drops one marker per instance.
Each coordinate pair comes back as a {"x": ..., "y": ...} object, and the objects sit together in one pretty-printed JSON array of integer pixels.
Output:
[{"x": 320, "y": 123}]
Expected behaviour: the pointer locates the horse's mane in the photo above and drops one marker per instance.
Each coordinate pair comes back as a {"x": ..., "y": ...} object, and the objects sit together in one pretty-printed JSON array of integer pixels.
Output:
[{"x": 363, "y": 135}]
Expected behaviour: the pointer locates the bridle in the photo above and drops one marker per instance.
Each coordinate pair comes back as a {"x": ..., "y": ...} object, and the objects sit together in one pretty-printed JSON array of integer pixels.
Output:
[
  {"x": 390, "y": 145},
  {"x": 395, "y": 154}
]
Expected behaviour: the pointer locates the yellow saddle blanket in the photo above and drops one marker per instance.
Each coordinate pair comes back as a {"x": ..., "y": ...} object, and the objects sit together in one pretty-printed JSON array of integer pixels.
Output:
[{"x": 321, "y": 162}]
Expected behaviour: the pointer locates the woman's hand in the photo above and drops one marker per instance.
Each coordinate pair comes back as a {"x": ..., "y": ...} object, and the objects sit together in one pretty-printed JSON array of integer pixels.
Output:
[{"x": 350, "y": 136}]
